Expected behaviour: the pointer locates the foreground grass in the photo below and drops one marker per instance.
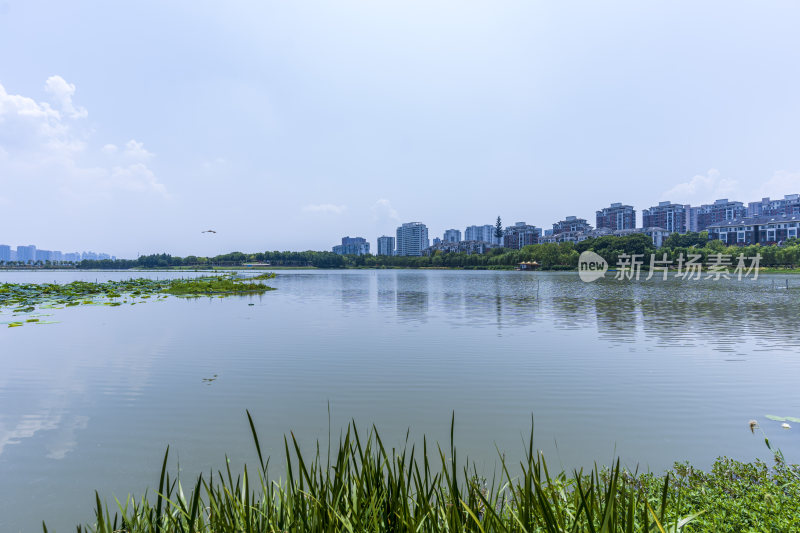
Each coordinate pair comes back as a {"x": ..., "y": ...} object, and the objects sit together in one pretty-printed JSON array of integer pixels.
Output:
[{"x": 362, "y": 486}]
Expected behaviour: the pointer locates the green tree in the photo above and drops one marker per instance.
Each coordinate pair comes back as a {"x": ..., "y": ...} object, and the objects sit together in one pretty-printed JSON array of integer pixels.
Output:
[{"x": 498, "y": 231}]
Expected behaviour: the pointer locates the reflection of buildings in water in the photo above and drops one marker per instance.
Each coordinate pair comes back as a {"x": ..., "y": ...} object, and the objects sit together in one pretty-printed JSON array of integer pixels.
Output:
[
  {"x": 354, "y": 288},
  {"x": 412, "y": 295},
  {"x": 386, "y": 290},
  {"x": 412, "y": 304}
]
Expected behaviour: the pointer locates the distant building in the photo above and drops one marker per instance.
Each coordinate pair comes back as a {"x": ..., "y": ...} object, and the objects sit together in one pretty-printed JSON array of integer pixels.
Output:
[
  {"x": 756, "y": 230},
  {"x": 412, "y": 238},
  {"x": 789, "y": 205},
  {"x": 385, "y": 245},
  {"x": 616, "y": 217},
  {"x": 669, "y": 216},
  {"x": 658, "y": 235},
  {"x": 572, "y": 225},
  {"x": 352, "y": 246},
  {"x": 5, "y": 253},
  {"x": 467, "y": 247},
  {"x": 436, "y": 240},
  {"x": 483, "y": 233},
  {"x": 452, "y": 235},
  {"x": 702, "y": 216},
  {"x": 72, "y": 257},
  {"x": 26, "y": 254},
  {"x": 43, "y": 255},
  {"x": 521, "y": 234}
]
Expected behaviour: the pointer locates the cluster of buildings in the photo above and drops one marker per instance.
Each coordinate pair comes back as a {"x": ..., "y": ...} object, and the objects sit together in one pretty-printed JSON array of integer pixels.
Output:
[
  {"x": 30, "y": 255},
  {"x": 763, "y": 222}
]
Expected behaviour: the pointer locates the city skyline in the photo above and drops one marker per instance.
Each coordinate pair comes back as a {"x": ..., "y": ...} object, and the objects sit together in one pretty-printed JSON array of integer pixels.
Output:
[
  {"x": 689, "y": 218},
  {"x": 30, "y": 253},
  {"x": 620, "y": 218}
]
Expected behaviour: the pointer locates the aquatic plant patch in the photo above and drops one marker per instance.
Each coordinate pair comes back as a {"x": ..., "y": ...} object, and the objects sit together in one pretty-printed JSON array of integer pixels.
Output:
[{"x": 25, "y": 298}]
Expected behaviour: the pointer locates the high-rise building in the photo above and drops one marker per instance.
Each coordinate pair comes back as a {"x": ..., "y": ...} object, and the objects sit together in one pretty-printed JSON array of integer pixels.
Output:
[
  {"x": 572, "y": 224},
  {"x": 616, "y": 217},
  {"x": 412, "y": 238},
  {"x": 789, "y": 205},
  {"x": 483, "y": 233},
  {"x": 703, "y": 216},
  {"x": 5, "y": 253},
  {"x": 385, "y": 245},
  {"x": 669, "y": 216},
  {"x": 26, "y": 254},
  {"x": 43, "y": 255},
  {"x": 452, "y": 235},
  {"x": 352, "y": 246},
  {"x": 520, "y": 234}
]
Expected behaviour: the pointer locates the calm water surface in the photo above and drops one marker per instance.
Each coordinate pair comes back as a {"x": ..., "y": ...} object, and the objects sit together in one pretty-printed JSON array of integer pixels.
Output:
[{"x": 655, "y": 372}]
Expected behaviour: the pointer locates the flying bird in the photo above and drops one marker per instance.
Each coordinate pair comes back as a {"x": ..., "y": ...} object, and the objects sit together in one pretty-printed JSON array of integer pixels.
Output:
[{"x": 208, "y": 231}]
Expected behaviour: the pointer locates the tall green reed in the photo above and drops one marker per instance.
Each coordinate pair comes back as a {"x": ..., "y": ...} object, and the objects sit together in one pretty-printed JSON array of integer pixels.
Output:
[{"x": 362, "y": 486}]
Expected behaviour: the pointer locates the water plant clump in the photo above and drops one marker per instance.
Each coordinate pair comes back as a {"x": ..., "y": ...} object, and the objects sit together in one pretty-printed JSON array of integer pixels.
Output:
[
  {"x": 362, "y": 486},
  {"x": 26, "y": 297},
  {"x": 214, "y": 285}
]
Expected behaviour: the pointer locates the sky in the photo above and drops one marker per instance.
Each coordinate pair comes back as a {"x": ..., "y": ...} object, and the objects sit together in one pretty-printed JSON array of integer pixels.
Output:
[{"x": 130, "y": 127}]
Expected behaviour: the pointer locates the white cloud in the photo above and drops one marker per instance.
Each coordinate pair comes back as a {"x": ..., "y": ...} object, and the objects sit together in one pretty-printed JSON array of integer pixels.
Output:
[
  {"x": 62, "y": 92},
  {"x": 135, "y": 150},
  {"x": 781, "y": 183},
  {"x": 382, "y": 210},
  {"x": 137, "y": 178},
  {"x": 702, "y": 189},
  {"x": 44, "y": 155},
  {"x": 325, "y": 208}
]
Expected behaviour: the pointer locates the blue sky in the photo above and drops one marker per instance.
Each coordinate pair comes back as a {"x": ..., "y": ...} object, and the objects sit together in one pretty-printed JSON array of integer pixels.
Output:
[{"x": 130, "y": 127}]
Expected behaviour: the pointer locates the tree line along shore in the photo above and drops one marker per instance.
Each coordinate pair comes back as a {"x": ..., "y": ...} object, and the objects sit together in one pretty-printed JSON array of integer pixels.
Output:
[{"x": 549, "y": 256}]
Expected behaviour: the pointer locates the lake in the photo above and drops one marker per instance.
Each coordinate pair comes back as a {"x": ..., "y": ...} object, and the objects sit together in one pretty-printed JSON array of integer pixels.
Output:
[{"x": 653, "y": 371}]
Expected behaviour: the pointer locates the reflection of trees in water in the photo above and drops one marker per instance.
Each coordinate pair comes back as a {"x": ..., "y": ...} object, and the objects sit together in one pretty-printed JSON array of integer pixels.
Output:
[
  {"x": 571, "y": 312},
  {"x": 485, "y": 299},
  {"x": 678, "y": 313},
  {"x": 616, "y": 319}
]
